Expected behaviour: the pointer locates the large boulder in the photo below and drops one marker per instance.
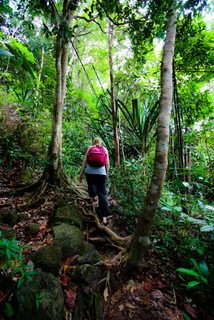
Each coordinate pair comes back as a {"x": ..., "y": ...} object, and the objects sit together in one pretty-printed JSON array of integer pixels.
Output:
[
  {"x": 8, "y": 233},
  {"x": 86, "y": 248},
  {"x": 86, "y": 274},
  {"x": 69, "y": 238},
  {"x": 23, "y": 217},
  {"x": 48, "y": 258},
  {"x": 66, "y": 212},
  {"x": 89, "y": 258},
  {"x": 9, "y": 217},
  {"x": 31, "y": 229},
  {"x": 51, "y": 305}
]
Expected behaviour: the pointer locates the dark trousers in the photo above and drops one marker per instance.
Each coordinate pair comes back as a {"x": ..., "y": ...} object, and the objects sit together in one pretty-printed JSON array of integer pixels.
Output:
[{"x": 97, "y": 186}]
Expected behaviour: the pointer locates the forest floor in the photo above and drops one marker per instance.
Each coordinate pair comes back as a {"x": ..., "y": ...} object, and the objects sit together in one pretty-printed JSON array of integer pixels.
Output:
[{"x": 152, "y": 294}]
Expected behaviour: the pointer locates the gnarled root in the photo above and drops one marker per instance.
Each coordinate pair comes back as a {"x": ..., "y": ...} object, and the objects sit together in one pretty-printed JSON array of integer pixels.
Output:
[{"x": 115, "y": 238}]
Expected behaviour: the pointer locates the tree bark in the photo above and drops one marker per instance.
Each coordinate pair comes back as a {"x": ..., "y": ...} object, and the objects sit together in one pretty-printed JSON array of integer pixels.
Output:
[
  {"x": 116, "y": 140},
  {"x": 140, "y": 239}
]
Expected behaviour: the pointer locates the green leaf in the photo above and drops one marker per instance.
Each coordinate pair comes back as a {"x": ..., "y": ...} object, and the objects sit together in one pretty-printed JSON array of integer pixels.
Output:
[
  {"x": 200, "y": 251},
  {"x": 37, "y": 303},
  {"x": 42, "y": 295},
  {"x": 193, "y": 283},
  {"x": 25, "y": 65},
  {"x": 5, "y": 53},
  {"x": 209, "y": 207},
  {"x": 189, "y": 272},
  {"x": 9, "y": 311},
  {"x": 166, "y": 208},
  {"x": 204, "y": 269},
  {"x": 197, "y": 266},
  {"x": 204, "y": 280},
  {"x": 8, "y": 253},
  {"x": 185, "y": 315},
  {"x": 20, "y": 282},
  {"x": 19, "y": 62},
  {"x": 207, "y": 228}
]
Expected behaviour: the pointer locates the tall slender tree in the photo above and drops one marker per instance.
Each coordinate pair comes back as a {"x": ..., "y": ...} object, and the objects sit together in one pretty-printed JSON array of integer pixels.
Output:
[{"x": 140, "y": 239}]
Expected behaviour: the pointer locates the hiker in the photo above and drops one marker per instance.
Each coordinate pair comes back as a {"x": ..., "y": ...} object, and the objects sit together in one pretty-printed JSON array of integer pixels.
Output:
[{"x": 97, "y": 169}]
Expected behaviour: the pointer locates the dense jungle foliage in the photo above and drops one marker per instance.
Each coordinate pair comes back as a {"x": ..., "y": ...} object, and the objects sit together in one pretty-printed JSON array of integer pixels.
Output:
[{"x": 184, "y": 223}]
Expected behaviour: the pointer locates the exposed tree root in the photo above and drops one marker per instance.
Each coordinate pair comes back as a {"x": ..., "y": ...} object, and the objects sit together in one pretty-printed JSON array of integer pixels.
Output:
[
  {"x": 119, "y": 240},
  {"x": 26, "y": 188},
  {"x": 79, "y": 191},
  {"x": 35, "y": 198}
]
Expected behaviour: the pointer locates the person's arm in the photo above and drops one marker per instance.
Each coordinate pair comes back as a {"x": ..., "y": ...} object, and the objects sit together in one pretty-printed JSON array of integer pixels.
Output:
[
  {"x": 83, "y": 166},
  {"x": 107, "y": 164}
]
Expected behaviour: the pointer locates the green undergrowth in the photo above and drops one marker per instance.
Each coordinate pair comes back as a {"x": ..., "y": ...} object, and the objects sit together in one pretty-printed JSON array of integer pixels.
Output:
[{"x": 183, "y": 225}]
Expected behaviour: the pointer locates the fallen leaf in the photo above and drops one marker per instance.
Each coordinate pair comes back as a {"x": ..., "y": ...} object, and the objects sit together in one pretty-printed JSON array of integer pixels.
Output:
[
  {"x": 42, "y": 227},
  {"x": 161, "y": 285},
  {"x": 64, "y": 280},
  {"x": 129, "y": 305},
  {"x": 70, "y": 297},
  {"x": 105, "y": 294},
  {"x": 69, "y": 260},
  {"x": 66, "y": 268},
  {"x": 191, "y": 311},
  {"x": 121, "y": 307},
  {"x": 149, "y": 286},
  {"x": 116, "y": 297}
]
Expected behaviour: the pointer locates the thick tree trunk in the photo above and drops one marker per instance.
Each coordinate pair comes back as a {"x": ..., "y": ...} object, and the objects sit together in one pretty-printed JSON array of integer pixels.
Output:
[
  {"x": 140, "y": 240},
  {"x": 54, "y": 172},
  {"x": 116, "y": 140}
]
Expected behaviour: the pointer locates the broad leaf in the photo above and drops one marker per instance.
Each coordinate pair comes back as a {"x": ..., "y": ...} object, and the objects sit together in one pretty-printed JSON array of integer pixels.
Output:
[
  {"x": 6, "y": 53},
  {"x": 189, "y": 272},
  {"x": 193, "y": 283}
]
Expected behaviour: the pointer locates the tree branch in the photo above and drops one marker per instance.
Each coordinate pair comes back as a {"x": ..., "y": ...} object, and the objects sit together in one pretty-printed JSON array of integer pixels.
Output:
[
  {"x": 54, "y": 11},
  {"x": 87, "y": 20},
  {"x": 120, "y": 23}
]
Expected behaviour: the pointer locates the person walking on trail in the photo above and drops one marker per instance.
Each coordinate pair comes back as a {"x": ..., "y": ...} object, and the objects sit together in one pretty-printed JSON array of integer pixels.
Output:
[{"x": 96, "y": 161}]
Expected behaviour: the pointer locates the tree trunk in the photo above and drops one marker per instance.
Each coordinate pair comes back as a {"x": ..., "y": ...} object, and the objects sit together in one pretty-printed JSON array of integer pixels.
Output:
[
  {"x": 116, "y": 140},
  {"x": 40, "y": 72},
  {"x": 54, "y": 172},
  {"x": 140, "y": 239}
]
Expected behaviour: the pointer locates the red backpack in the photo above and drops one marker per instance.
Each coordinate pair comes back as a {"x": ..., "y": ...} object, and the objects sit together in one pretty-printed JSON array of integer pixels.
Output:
[{"x": 96, "y": 156}]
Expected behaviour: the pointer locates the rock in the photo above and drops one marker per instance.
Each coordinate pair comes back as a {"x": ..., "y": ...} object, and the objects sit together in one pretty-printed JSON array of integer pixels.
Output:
[
  {"x": 8, "y": 233},
  {"x": 86, "y": 273},
  {"x": 88, "y": 254},
  {"x": 51, "y": 305},
  {"x": 9, "y": 217},
  {"x": 32, "y": 229},
  {"x": 87, "y": 248},
  {"x": 90, "y": 258},
  {"x": 68, "y": 238},
  {"x": 78, "y": 310},
  {"x": 22, "y": 217},
  {"x": 48, "y": 258},
  {"x": 66, "y": 212},
  {"x": 94, "y": 305},
  {"x": 98, "y": 306}
]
